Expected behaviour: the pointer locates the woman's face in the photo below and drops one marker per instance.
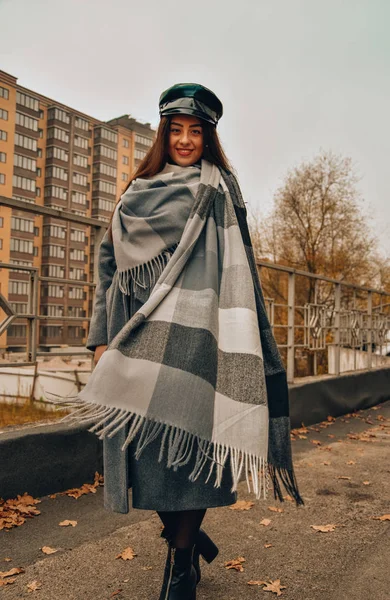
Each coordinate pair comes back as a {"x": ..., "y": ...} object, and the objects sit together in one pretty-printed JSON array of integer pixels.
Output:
[{"x": 185, "y": 140}]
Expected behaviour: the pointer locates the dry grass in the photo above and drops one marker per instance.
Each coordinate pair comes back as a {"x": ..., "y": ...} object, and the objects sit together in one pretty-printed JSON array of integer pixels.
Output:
[{"x": 21, "y": 414}]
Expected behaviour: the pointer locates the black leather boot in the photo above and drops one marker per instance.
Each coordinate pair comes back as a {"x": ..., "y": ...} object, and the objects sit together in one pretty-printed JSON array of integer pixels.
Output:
[
  {"x": 179, "y": 575},
  {"x": 204, "y": 546}
]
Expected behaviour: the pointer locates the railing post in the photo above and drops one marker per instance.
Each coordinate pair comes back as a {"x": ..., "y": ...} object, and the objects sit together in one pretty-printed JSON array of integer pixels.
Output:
[
  {"x": 337, "y": 333},
  {"x": 290, "y": 328},
  {"x": 369, "y": 330}
]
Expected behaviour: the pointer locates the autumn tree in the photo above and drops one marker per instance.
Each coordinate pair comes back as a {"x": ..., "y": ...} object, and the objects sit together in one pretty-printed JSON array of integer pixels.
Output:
[{"x": 317, "y": 223}]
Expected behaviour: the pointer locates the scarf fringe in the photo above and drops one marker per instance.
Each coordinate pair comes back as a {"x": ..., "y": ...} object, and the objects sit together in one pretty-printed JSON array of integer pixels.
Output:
[
  {"x": 146, "y": 275},
  {"x": 287, "y": 477},
  {"x": 176, "y": 446}
]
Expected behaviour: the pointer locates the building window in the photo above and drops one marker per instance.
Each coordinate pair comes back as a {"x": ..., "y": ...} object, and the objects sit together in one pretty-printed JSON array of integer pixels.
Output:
[
  {"x": 19, "y": 288},
  {"x": 139, "y": 154},
  {"x": 3, "y": 136},
  {"x": 104, "y": 169},
  {"x": 4, "y": 114},
  {"x": 59, "y": 115},
  {"x": 36, "y": 231},
  {"x": 51, "y": 331},
  {"x": 76, "y": 311},
  {"x": 53, "y": 310},
  {"x": 80, "y": 161},
  {"x": 125, "y": 160},
  {"x": 57, "y": 173},
  {"x": 25, "y": 163},
  {"x": 54, "y": 291},
  {"x": 53, "y": 191},
  {"x": 79, "y": 179},
  {"x": 75, "y": 332},
  {"x": 22, "y": 263},
  {"x": 54, "y": 231},
  {"x": 24, "y": 183},
  {"x": 19, "y": 224},
  {"x": 21, "y": 308},
  {"x": 1, "y": 222},
  {"x": 76, "y": 273},
  {"x": 107, "y": 152},
  {"x": 54, "y": 251},
  {"x": 27, "y": 101},
  {"x": 79, "y": 198},
  {"x": 81, "y": 142},
  {"x": 1, "y": 244},
  {"x": 141, "y": 139},
  {"x": 53, "y": 271},
  {"x": 105, "y": 186},
  {"x": 111, "y": 136},
  {"x": 76, "y": 254},
  {"x": 3, "y": 157},
  {"x": 2, "y": 179},
  {"x": 106, "y": 205},
  {"x": 58, "y": 134},
  {"x": 76, "y": 293},
  {"x": 19, "y": 245},
  {"x": 81, "y": 123},
  {"x": 125, "y": 177},
  {"x": 17, "y": 331},
  {"x": 4, "y": 93},
  {"x": 126, "y": 143},
  {"x": 77, "y": 235},
  {"x": 25, "y": 142},
  {"x": 59, "y": 153},
  {"x": 27, "y": 122}
]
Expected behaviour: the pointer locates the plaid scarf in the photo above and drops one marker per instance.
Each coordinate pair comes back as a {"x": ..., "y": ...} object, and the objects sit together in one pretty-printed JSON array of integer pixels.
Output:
[{"x": 198, "y": 361}]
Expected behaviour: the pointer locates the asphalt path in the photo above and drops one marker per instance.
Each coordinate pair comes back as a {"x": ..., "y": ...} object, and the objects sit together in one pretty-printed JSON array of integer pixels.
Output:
[{"x": 351, "y": 562}]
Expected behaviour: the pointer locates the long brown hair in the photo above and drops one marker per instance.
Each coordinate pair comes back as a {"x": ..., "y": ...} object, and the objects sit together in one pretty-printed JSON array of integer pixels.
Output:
[{"x": 158, "y": 156}]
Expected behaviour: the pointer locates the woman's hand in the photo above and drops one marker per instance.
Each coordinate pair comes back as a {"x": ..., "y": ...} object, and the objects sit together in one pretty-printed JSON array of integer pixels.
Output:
[{"x": 98, "y": 352}]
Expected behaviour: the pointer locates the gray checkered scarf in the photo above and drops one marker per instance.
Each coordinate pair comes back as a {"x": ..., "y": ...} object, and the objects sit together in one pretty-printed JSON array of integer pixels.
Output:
[{"x": 198, "y": 361}]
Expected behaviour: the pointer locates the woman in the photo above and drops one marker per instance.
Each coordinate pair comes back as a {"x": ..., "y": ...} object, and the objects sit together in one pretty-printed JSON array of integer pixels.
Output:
[{"x": 189, "y": 392}]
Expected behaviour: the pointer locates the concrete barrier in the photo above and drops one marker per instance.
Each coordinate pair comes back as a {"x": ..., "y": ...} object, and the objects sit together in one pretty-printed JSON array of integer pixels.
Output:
[{"x": 46, "y": 459}]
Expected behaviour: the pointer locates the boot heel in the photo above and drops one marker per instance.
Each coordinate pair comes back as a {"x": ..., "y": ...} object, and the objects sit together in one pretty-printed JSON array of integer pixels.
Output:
[{"x": 206, "y": 546}]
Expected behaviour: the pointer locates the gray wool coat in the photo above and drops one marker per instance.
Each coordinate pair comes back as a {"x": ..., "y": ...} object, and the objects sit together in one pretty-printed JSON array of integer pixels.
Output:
[{"x": 112, "y": 310}]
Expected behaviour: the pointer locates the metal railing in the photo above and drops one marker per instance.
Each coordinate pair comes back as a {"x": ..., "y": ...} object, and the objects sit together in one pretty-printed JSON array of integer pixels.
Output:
[{"x": 322, "y": 325}]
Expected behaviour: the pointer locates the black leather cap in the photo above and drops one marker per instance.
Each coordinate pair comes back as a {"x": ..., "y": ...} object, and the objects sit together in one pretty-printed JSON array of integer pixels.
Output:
[{"x": 191, "y": 99}]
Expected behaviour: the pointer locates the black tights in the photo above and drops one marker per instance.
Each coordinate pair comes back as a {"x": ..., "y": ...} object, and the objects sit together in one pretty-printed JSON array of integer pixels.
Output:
[{"x": 183, "y": 526}]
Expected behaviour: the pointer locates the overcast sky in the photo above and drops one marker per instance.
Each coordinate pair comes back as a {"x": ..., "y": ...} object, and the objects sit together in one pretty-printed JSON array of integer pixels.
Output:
[{"x": 294, "y": 76}]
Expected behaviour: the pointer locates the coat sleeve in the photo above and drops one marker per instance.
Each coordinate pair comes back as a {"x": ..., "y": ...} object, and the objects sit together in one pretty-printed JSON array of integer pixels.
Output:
[{"x": 106, "y": 268}]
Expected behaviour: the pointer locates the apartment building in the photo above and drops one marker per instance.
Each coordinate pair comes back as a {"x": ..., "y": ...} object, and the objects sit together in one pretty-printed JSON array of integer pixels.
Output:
[{"x": 54, "y": 155}]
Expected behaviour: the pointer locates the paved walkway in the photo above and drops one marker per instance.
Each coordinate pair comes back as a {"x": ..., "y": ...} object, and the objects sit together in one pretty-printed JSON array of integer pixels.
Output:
[{"x": 351, "y": 562}]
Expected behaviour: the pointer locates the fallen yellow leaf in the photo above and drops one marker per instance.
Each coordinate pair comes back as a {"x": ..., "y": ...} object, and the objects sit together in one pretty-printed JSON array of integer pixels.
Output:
[
  {"x": 323, "y": 528},
  {"x": 242, "y": 505},
  {"x": 235, "y": 564},
  {"x": 34, "y": 586},
  {"x": 11, "y": 572},
  {"x": 272, "y": 586},
  {"x": 267, "y": 545},
  {"x": 48, "y": 550},
  {"x": 265, "y": 522},
  {"x": 276, "y": 509},
  {"x": 66, "y": 523},
  {"x": 342, "y": 477},
  {"x": 383, "y": 518},
  {"x": 127, "y": 554}
]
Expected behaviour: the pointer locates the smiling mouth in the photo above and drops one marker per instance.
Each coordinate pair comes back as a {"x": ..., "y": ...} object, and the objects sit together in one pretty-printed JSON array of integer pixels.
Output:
[{"x": 183, "y": 152}]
